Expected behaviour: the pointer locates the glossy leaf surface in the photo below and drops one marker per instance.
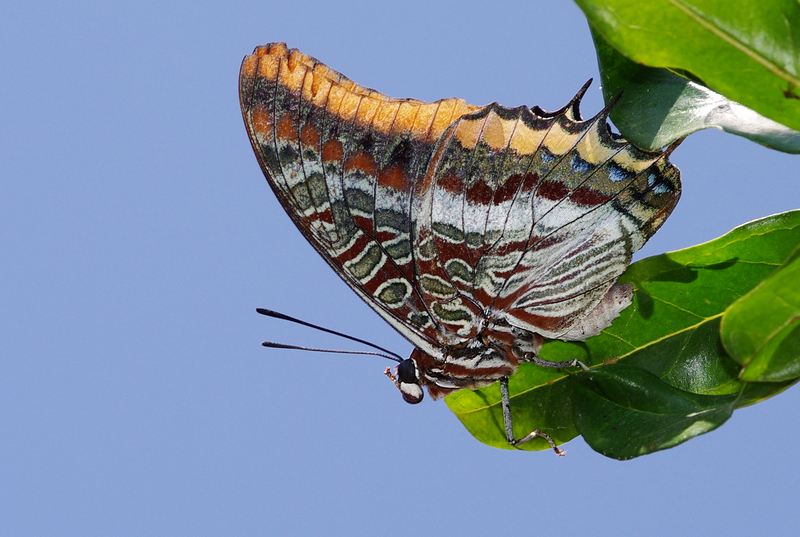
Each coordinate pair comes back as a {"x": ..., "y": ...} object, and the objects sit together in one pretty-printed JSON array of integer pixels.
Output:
[
  {"x": 761, "y": 330},
  {"x": 625, "y": 411},
  {"x": 744, "y": 50},
  {"x": 658, "y": 106}
]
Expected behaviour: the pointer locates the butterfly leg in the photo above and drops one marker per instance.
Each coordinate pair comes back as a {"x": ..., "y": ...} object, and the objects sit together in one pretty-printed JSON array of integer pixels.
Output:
[
  {"x": 557, "y": 365},
  {"x": 506, "y": 402}
]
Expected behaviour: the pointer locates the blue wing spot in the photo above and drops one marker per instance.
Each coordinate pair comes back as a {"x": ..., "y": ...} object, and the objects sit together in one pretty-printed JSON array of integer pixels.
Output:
[
  {"x": 657, "y": 185},
  {"x": 661, "y": 188},
  {"x": 579, "y": 165},
  {"x": 546, "y": 155},
  {"x": 617, "y": 173}
]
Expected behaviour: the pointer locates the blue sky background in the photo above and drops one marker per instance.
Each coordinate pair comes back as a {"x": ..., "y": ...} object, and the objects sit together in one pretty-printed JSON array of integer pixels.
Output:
[{"x": 138, "y": 235}]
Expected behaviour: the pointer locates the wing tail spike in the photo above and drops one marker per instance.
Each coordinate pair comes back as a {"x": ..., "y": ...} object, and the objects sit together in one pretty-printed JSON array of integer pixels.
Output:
[
  {"x": 602, "y": 118},
  {"x": 673, "y": 146},
  {"x": 610, "y": 105},
  {"x": 573, "y": 108}
]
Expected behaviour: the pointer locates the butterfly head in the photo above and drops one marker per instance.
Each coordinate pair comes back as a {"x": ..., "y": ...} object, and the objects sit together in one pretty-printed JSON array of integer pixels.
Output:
[
  {"x": 494, "y": 353},
  {"x": 408, "y": 382}
]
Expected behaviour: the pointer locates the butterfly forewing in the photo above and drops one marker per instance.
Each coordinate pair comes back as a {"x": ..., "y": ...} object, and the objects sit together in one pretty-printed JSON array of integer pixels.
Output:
[{"x": 342, "y": 161}]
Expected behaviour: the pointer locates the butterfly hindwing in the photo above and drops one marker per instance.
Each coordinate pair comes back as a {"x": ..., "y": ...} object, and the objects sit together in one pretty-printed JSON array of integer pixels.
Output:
[{"x": 535, "y": 218}]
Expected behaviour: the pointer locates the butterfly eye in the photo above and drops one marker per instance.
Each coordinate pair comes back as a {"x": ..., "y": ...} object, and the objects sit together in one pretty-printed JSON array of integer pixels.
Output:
[
  {"x": 407, "y": 372},
  {"x": 408, "y": 383}
]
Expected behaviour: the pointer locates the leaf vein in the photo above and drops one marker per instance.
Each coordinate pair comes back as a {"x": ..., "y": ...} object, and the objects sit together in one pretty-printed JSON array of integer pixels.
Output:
[{"x": 735, "y": 43}]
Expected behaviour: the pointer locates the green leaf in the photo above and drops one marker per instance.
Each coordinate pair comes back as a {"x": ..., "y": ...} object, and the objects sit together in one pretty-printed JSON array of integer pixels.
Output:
[
  {"x": 745, "y": 50},
  {"x": 761, "y": 330},
  {"x": 658, "y": 107},
  {"x": 540, "y": 400},
  {"x": 671, "y": 331},
  {"x": 623, "y": 411}
]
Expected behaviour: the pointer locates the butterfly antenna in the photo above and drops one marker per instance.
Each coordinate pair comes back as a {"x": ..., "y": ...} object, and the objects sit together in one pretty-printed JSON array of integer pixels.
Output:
[
  {"x": 273, "y": 345},
  {"x": 269, "y": 313}
]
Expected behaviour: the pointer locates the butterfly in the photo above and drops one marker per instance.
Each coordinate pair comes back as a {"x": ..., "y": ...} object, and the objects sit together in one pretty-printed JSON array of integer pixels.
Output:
[{"x": 475, "y": 231}]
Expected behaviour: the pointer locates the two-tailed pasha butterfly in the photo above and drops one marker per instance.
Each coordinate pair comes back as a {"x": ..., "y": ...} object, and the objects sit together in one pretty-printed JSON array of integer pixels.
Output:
[{"x": 475, "y": 231}]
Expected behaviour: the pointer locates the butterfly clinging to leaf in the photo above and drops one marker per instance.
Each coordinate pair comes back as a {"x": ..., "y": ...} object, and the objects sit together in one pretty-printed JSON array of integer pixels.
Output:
[{"x": 475, "y": 231}]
